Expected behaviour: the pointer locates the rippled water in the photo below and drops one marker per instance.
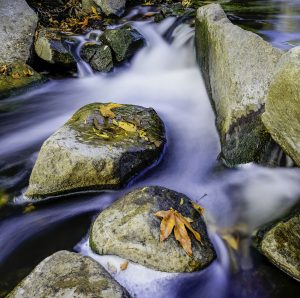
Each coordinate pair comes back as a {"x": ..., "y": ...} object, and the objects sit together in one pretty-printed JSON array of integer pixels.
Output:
[{"x": 164, "y": 76}]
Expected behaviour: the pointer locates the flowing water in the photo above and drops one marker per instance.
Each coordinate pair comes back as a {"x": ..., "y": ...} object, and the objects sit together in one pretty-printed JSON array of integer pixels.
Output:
[{"x": 163, "y": 75}]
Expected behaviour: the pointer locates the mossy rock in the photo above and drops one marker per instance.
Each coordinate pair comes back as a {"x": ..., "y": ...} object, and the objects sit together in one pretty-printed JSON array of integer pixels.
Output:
[
  {"x": 94, "y": 152},
  {"x": 17, "y": 77},
  {"x": 67, "y": 274},
  {"x": 129, "y": 229}
]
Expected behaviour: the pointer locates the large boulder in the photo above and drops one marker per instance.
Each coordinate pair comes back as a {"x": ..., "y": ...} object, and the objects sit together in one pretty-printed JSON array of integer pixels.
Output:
[
  {"x": 17, "y": 27},
  {"x": 49, "y": 47},
  {"x": 103, "y": 146},
  {"x": 282, "y": 110},
  {"x": 111, "y": 7},
  {"x": 67, "y": 274},
  {"x": 129, "y": 229},
  {"x": 237, "y": 67},
  {"x": 280, "y": 243},
  {"x": 16, "y": 77}
]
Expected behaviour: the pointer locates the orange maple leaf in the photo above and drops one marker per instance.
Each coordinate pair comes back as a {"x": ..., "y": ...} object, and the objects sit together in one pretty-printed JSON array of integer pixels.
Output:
[{"x": 172, "y": 219}]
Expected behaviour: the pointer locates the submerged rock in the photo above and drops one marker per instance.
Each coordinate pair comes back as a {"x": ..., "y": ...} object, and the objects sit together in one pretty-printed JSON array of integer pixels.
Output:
[
  {"x": 282, "y": 111},
  {"x": 237, "y": 67},
  {"x": 129, "y": 229},
  {"x": 103, "y": 146},
  {"x": 111, "y": 7},
  {"x": 16, "y": 77},
  {"x": 99, "y": 57},
  {"x": 67, "y": 274},
  {"x": 124, "y": 42},
  {"x": 17, "y": 27},
  {"x": 49, "y": 47},
  {"x": 280, "y": 243}
]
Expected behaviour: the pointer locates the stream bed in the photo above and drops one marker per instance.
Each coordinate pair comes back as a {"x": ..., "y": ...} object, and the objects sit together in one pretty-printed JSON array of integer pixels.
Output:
[{"x": 164, "y": 75}]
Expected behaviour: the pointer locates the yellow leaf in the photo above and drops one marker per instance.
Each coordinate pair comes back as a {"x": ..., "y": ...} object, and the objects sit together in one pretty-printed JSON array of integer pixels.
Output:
[
  {"x": 29, "y": 208},
  {"x": 129, "y": 127},
  {"x": 181, "y": 201},
  {"x": 106, "y": 110},
  {"x": 232, "y": 241},
  {"x": 16, "y": 75},
  {"x": 124, "y": 265},
  {"x": 28, "y": 72},
  {"x": 3, "y": 68},
  {"x": 197, "y": 207},
  {"x": 94, "y": 10},
  {"x": 172, "y": 219}
]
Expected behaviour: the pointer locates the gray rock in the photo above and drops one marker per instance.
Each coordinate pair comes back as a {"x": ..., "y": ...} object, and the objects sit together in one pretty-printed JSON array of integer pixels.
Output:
[
  {"x": 93, "y": 152},
  {"x": 49, "y": 47},
  {"x": 129, "y": 229},
  {"x": 67, "y": 274},
  {"x": 282, "y": 110},
  {"x": 111, "y": 7},
  {"x": 17, "y": 27},
  {"x": 99, "y": 57},
  {"x": 237, "y": 67},
  {"x": 280, "y": 243},
  {"x": 124, "y": 42},
  {"x": 17, "y": 77}
]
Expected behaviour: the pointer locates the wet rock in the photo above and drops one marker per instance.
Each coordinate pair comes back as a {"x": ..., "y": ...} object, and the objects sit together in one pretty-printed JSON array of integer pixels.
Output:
[
  {"x": 49, "y": 47},
  {"x": 99, "y": 57},
  {"x": 282, "y": 110},
  {"x": 16, "y": 77},
  {"x": 237, "y": 67},
  {"x": 129, "y": 229},
  {"x": 124, "y": 42},
  {"x": 111, "y": 7},
  {"x": 95, "y": 152},
  {"x": 67, "y": 274},
  {"x": 17, "y": 27},
  {"x": 280, "y": 243}
]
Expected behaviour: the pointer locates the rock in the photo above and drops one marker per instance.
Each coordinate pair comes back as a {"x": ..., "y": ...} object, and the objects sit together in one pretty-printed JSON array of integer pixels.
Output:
[
  {"x": 282, "y": 110},
  {"x": 17, "y": 77},
  {"x": 67, "y": 274},
  {"x": 17, "y": 27},
  {"x": 129, "y": 229},
  {"x": 99, "y": 57},
  {"x": 280, "y": 243},
  {"x": 94, "y": 152},
  {"x": 49, "y": 47},
  {"x": 111, "y": 7},
  {"x": 124, "y": 42},
  {"x": 237, "y": 67}
]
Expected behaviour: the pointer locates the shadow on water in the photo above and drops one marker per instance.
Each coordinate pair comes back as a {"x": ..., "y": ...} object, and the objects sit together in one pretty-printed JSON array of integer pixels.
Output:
[{"x": 164, "y": 76}]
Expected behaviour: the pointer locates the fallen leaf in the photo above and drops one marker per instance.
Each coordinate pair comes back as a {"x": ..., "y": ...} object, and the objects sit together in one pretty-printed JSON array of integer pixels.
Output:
[
  {"x": 232, "y": 241},
  {"x": 28, "y": 72},
  {"x": 16, "y": 75},
  {"x": 172, "y": 219},
  {"x": 197, "y": 207},
  {"x": 3, "y": 69},
  {"x": 129, "y": 127},
  {"x": 181, "y": 201},
  {"x": 29, "y": 208},
  {"x": 106, "y": 110},
  {"x": 124, "y": 265}
]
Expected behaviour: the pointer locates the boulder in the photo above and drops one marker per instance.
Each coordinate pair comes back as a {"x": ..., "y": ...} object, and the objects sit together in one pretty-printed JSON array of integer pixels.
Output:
[
  {"x": 17, "y": 27},
  {"x": 98, "y": 56},
  {"x": 237, "y": 66},
  {"x": 282, "y": 110},
  {"x": 103, "y": 146},
  {"x": 129, "y": 229},
  {"x": 280, "y": 243},
  {"x": 111, "y": 7},
  {"x": 49, "y": 47},
  {"x": 124, "y": 42},
  {"x": 67, "y": 274},
  {"x": 16, "y": 77}
]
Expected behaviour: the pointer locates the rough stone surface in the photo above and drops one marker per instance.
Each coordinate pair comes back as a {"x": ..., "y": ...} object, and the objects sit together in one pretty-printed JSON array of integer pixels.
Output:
[
  {"x": 124, "y": 41},
  {"x": 16, "y": 78},
  {"x": 129, "y": 229},
  {"x": 49, "y": 47},
  {"x": 91, "y": 152},
  {"x": 67, "y": 274},
  {"x": 282, "y": 110},
  {"x": 99, "y": 57},
  {"x": 17, "y": 26},
  {"x": 280, "y": 243},
  {"x": 111, "y": 7},
  {"x": 237, "y": 66}
]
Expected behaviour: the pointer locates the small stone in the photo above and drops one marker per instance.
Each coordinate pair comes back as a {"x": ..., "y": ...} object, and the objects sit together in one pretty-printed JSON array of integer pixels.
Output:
[
  {"x": 67, "y": 274},
  {"x": 130, "y": 230},
  {"x": 111, "y": 7}
]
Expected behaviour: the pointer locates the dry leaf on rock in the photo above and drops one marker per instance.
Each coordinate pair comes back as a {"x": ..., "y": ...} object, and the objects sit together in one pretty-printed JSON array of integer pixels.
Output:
[
  {"x": 172, "y": 219},
  {"x": 124, "y": 265},
  {"x": 106, "y": 110}
]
